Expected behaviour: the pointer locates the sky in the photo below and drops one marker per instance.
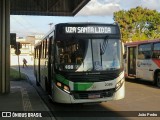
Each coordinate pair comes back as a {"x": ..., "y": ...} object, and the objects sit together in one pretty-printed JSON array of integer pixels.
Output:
[{"x": 95, "y": 11}]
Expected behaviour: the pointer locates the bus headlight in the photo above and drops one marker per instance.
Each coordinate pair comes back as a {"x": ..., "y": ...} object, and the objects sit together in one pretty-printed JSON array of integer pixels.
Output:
[
  {"x": 66, "y": 89},
  {"x": 119, "y": 84},
  {"x": 59, "y": 84},
  {"x": 63, "y": 87}
]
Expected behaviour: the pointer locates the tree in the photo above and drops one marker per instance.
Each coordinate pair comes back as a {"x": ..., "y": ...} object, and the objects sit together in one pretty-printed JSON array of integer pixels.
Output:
[{"x": 138, "y": 24}]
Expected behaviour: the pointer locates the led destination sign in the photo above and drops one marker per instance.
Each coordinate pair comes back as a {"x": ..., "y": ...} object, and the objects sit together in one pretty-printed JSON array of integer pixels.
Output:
[{"x": 90, "y": 30}]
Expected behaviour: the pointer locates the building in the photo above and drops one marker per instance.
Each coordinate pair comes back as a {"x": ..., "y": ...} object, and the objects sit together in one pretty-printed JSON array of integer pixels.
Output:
[{"x": 27, "y": 50}]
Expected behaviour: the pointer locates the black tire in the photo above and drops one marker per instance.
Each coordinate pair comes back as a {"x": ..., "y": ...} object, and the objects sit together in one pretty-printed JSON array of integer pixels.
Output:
[
  {"x": 46, "y": 84},
  {"x": 37, "y": 83},
  {"x": 158, "y": 79}
]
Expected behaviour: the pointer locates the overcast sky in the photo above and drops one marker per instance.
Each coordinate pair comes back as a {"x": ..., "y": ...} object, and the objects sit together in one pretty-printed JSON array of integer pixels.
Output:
[{"x": 94, "y": 11}]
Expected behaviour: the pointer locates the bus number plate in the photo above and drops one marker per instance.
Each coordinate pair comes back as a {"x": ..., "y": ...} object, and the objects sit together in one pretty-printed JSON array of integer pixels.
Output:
[{"x": 93, "y": 96}]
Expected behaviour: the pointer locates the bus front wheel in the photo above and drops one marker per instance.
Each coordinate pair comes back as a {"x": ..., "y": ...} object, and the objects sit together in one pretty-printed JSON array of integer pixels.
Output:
[
  {"x": 37, "y": 83},
  {"x": 158, "y": 79},
  {"x": 46, "y": 84}
]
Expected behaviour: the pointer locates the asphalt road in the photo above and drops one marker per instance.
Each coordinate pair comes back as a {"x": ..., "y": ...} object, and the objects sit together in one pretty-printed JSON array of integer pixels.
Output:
[{"x": 141, "y": 98}]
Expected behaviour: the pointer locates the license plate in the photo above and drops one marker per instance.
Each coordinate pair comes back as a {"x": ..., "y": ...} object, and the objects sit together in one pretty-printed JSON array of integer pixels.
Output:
[{"x": 93, "y": 96}]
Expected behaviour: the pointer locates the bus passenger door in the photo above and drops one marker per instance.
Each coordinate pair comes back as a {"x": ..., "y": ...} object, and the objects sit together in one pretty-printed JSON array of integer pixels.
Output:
[{"x": 132, "y": 61}]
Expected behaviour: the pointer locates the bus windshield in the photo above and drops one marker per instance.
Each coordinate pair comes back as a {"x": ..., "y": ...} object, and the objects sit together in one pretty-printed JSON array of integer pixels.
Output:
[{"x": 80, "y": 55}]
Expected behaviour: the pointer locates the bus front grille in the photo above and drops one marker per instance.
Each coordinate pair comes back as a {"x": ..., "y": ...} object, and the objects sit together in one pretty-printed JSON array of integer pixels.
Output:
[
  {"x": 93, "y": 94},
  {"x": 91, "y": 77}
]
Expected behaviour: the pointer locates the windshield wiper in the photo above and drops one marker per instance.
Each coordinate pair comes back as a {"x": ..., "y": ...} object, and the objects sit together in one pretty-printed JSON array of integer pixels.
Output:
[{"x": 104, "y": 46}]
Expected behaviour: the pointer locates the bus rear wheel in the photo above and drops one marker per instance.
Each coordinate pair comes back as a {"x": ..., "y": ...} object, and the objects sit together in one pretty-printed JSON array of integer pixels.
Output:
[{"x": 158, "y": 79}]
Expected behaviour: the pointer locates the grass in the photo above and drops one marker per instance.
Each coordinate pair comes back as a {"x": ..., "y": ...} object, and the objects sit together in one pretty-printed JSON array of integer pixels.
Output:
[{"x": 14, "y": 75}]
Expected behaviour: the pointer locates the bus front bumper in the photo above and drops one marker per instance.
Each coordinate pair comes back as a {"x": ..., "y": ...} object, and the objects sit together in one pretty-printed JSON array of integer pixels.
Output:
[{"x": 61, "y": 96}]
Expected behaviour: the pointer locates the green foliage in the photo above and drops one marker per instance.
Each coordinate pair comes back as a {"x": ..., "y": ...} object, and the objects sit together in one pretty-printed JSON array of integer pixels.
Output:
[
  {"x": 14, "y": 75},
  {"x": 138, "y": 24}
]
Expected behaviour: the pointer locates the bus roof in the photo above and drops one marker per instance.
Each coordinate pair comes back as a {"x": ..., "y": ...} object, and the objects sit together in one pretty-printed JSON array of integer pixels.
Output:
[
  {"x": 142, "y": 42},
  {"x": 86, "y": 23}
]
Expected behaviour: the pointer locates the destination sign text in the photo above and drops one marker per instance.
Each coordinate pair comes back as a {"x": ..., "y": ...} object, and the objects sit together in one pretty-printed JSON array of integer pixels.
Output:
[{"x": 89, "y": 30}]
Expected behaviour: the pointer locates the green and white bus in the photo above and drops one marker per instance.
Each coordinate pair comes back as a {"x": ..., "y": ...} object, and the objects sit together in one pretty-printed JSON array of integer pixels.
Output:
[{"x": 81, "y": 63}]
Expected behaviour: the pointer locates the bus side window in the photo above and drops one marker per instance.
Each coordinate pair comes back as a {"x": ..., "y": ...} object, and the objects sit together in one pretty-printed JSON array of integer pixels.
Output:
[
  {"x": 144, "y": 51},
  {"x": 156, "y": 51},
  {"x": 141, "y": 56},
  {"x": 156, "y": 54}
]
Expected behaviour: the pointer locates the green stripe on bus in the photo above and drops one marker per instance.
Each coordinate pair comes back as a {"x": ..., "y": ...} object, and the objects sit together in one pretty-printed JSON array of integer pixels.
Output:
[
  {"x": 77, "y": 86},
  {"x": 62, "y": 79},
  {"x": 82, "y": 86}
]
